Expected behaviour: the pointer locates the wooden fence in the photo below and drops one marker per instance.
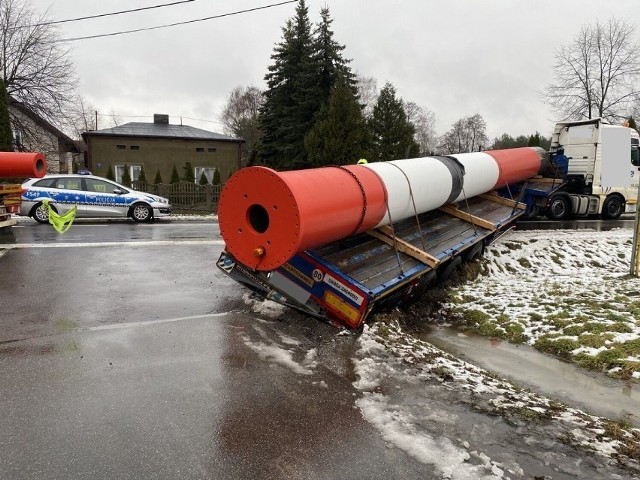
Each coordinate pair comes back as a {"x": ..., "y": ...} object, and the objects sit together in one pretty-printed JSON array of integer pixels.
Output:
[{"x": 184, "y": 196}]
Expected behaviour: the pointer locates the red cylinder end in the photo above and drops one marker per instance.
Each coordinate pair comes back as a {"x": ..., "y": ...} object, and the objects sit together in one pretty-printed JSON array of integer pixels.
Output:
[
  {"x": 22, "y": 164},
  {"x": 266, "y": 217}
]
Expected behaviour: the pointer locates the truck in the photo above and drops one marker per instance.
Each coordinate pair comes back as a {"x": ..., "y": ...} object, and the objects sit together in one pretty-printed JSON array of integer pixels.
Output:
[
  {"x": 16, "y": 165},
  {"x": 582, "y": 155}
]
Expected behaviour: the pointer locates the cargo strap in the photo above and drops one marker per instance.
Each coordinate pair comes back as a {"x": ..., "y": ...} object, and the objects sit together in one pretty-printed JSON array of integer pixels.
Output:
[{"x": 61, "y": 223}]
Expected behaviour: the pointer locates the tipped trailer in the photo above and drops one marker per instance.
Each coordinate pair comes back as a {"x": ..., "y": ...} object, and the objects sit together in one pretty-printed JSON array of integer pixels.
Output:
[
  {"x": 343, "y": 242},
  {"x": 347, "y": 281}
]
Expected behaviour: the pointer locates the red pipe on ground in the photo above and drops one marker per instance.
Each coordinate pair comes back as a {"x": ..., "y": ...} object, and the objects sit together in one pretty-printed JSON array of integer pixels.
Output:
[{"x": 22, "y": 164}]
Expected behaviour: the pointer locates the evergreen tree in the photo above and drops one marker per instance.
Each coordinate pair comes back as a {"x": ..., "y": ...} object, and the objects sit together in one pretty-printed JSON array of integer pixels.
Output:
[
  {"x": 340, "y": 136},
  {"x": 631, "y": 123},
  {"x": 392, "y": 133},
  {"x": 189, "y": 175},
  {"x": 158, "y": 178},
  {"x": 332, "y": 67},
  {"x": 6, "y": 135},
  {"x": 203, "y": 179},
  {"x": 126, "y": 176},
  {"x": 110, "y": 175},
  {"x": 216, "y": 177},
  {"x": 142, "y": 177},
  {"x": 175, "y": 178},
  {"x": 292, "y": 97}
]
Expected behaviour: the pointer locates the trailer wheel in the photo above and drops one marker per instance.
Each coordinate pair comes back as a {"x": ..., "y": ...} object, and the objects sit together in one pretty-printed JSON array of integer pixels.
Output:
[
  {"x": 613, "y": 207},
  {"x": 445, "y": 272},
  {"x": 474, "y": 252},
  {"x": 559, "y": 207}
]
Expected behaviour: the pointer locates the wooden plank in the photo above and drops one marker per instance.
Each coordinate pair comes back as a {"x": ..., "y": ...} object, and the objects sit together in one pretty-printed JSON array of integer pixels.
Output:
[
  {"x": 494, "y": 197},
  {"x": 404, "y": 247},
  {"x": 481, "y": 222}
]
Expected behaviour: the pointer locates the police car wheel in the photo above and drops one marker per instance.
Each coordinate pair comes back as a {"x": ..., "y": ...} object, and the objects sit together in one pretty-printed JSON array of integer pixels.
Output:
[
  {"x": 40, "y": 213},
  {"x": 141, "y": 212}
]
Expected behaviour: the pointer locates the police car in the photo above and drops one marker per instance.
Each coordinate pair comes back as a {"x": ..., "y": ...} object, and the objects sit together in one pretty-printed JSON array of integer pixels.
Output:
[{"x": 94, "y": 197}]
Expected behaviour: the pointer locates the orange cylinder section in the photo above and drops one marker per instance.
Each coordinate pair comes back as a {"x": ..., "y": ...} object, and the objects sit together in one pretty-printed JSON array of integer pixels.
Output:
[
  {"x": 517, "y": 164},
  {"x": 22, "y": 164},
  {"x": 266, "y": 217}
]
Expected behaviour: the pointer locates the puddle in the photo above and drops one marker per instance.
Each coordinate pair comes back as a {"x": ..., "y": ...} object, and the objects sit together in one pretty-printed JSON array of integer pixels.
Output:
[{"x": 522, "y": 364}]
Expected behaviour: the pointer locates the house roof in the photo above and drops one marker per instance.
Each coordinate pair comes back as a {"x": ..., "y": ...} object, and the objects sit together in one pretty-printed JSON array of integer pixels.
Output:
[
  {"x": 71, "y": 145},
  {"x": 160, "y": 130}
]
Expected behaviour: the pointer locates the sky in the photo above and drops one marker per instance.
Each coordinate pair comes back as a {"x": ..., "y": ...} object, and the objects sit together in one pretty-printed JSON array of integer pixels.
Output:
[{"x": 455, "y": 57}]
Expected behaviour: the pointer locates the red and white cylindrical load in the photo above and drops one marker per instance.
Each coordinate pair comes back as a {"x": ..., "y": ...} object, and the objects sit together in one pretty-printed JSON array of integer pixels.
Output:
[
  {"x": 266, "y": 217},
  {"x": 22, "y": 164}
]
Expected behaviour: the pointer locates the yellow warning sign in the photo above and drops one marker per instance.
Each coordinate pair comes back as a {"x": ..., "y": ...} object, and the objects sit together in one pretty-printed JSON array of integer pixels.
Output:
[{"x": 342, "y": 306}]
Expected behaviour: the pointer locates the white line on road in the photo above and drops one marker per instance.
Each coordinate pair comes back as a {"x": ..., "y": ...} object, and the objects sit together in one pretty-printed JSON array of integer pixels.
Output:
[
  {"x": 115, "y": 326},
  {"x": 112, "y": 244}
]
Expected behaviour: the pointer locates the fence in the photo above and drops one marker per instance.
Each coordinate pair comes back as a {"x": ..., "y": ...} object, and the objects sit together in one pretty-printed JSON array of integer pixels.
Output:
[{"x": 184, "y": 196}]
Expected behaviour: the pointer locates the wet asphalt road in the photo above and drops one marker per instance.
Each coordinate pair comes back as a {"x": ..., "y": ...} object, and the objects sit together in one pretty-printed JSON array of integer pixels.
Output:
[{"x": 123, "y": 355}]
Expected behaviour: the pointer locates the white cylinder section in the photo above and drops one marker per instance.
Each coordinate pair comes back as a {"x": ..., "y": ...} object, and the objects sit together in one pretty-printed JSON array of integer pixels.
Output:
[
  {"x": 481, "y": 173},
  {"x": 428, "y": 179}
]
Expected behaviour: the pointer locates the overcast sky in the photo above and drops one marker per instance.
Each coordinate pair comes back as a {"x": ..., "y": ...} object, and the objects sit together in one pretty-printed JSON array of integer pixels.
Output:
[{"x": 454, "y": 57}]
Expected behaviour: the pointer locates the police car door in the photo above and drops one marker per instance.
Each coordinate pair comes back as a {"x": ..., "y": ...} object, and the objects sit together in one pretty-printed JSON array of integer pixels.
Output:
[
  {"x": 65, "y": 193},
  {"x": 104, "y": 199}
]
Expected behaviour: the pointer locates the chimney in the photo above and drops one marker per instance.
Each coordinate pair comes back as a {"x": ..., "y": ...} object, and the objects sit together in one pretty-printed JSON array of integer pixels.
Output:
[{"x": 161, "y": 118}]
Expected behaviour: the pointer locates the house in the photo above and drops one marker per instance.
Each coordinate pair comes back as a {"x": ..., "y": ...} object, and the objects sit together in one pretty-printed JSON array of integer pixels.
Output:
[
  {"x": 156, "y": 147},
  {"x": 33, "y": 133}
]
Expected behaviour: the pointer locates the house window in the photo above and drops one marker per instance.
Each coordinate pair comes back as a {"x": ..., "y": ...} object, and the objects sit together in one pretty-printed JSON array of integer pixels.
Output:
[
  {"x": 208, "y": 172},
  {"x": 210, "y": 150},
  {"x": 121, "y": 147},
  {"x": 199, "y": 149},
  {"x": 134, "y": 172},
  {"x": 135, "y": 147}
]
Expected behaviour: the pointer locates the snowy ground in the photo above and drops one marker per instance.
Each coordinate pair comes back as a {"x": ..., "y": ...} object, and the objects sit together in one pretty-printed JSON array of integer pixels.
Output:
[{"x": 568, "y": 293}]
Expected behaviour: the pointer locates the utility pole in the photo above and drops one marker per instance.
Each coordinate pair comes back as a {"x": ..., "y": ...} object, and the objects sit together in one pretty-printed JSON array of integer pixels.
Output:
[
  {"x": 635, "y": 247},
  {"x": 96, "y": 119}
]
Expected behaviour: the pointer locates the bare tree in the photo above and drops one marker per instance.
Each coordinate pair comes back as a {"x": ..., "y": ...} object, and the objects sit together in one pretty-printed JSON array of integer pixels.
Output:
[
  {"x": 368, "y": 94},
  {"x": 596, "y": 75},
  {"x": 34, "y": 65},
  {"x": 424, "y": 122},
  {"x": 240, "y": 118},
  {"x": 80, "y": 117},
  {"x": 466, "y": 135}
]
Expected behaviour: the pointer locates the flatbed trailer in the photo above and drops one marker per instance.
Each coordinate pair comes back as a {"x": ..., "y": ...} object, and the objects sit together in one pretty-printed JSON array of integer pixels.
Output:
[
  {"x": 346, "y": 281},
  {"x": 9, "y": 203}
]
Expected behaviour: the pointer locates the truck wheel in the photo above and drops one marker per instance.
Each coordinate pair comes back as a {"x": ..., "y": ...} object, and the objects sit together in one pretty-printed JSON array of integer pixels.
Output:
[
  {"x": 613, "y": 207},
  {"x": 559, "y": 207}
]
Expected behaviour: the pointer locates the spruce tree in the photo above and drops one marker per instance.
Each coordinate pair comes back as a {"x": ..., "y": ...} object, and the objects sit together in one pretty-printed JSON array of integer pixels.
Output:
[
  {"x": 110, "y": 175},
  {"x": 158, "y": 179},
  {"x": 175, "y": 178},
  {"x": 126, "y": 176},
  {"x": 292, "y": 97},
  {"x": 189, "y": 175},
  {"x": 203, "y": 179},
  {"x": 216, "y": 177},
  {"x": 340, "y": 136},
  {"x": 6, "y": 135},
  {"x": 142, "y": 177},
  {"x": 392, "y": 134}
]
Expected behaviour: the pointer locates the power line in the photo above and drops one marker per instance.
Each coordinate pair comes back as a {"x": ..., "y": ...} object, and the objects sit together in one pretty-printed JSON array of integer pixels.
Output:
[
  {"x": 55, "y": 22},
  {"x": 238, "y": 12}
]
